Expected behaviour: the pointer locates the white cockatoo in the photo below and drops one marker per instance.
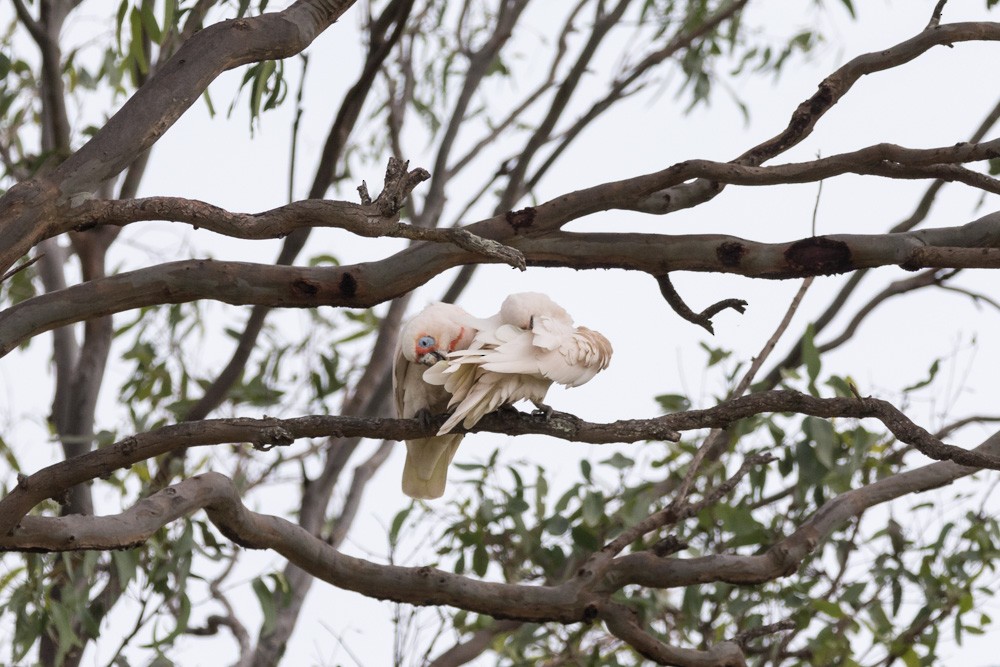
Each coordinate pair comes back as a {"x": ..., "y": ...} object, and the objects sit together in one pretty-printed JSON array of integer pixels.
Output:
[
  {"x": 517, "y": 354},
  {"x": 426, "y": 339}
]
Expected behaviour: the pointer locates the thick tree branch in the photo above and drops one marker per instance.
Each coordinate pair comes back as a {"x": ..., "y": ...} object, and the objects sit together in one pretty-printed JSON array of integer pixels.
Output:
[
  {"x": 974, "y": 245},
  {"x": 221, "y": 499},
  {"x": 268, "y": 432}
]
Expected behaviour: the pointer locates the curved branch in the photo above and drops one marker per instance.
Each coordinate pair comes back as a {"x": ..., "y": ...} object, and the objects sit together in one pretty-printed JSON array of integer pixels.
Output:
[
  {"x": 268, "y": 432},
  {"x": 481, "y": 640},
  {"x": 702, "y": 319},
  {"x": 220, "y": 498},
  {"x": 829, "y": 92},
  {"x": 622, "y": 623},
  {"x": 782, "y": 559}
]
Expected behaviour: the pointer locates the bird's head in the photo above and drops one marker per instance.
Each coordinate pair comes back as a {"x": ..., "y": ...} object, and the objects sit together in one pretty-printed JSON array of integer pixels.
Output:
[{"x": 436, "y": 331}]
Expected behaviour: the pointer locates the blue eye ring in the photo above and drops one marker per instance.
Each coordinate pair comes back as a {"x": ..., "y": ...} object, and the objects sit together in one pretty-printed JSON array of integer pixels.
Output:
[{"x": 426, "y": 342}]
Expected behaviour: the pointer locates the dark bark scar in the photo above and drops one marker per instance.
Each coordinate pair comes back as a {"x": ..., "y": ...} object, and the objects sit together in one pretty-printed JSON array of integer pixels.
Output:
[
  {"x": 730, "y": 253},
  {"x": 819, "y": 255},
  {"x": 521, "y": 219}
]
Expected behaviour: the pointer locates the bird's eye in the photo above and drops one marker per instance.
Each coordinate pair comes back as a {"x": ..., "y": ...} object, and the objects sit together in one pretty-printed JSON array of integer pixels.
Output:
[{"x": 426, "y": 342}]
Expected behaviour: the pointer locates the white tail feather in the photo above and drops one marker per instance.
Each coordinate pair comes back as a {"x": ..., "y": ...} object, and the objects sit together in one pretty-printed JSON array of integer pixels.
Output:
[{"x": 425, "y": 471}]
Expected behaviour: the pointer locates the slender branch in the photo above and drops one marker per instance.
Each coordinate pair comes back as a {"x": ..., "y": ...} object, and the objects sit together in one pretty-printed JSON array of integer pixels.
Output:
[
  {"x": 473, "y": 647},
  {"x": 20, "y": 267},
  {"x": 679, "y": 196},
  {"x": 702, "y": 319}
]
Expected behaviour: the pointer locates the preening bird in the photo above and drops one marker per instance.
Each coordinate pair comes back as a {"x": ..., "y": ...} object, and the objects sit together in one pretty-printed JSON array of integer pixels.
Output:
[
  {"x": 516, "y": 355},
  {"x": 433, "y": 333}
]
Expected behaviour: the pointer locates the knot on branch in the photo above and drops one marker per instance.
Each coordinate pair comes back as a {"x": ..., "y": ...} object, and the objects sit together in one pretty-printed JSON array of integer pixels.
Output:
[
  {"x": 702, "y": 319},
  {"x": 668, "y": 546},
  {"x": 399, "y": 183},
  {"x": 271, "y": 437}
]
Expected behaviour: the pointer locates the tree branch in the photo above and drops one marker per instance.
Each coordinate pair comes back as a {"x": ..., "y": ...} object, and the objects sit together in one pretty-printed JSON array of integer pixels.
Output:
[
  {"x": 270, "y": 432},
  {"x": 622, "y": 623},
  {"x": 26, "y": 208},
  {"x": 702, "y": 319}
]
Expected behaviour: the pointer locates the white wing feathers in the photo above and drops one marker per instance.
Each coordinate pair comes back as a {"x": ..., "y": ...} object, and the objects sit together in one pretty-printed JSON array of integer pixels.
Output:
[
  {"x": 507, "y": 363},
  {"x": 484, "y": 364}
]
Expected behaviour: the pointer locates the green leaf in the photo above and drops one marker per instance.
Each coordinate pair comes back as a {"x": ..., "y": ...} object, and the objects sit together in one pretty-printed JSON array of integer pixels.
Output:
[
  {"x": 480, "y": 560},
  {"x": 65, "y": 636},
  {"x": 136, "y": 50},
  {"x": 910, "y": 658},
  {"x": 126, "y": 564},
  {"x": 994, "y": 162},
  {"x": 585, "y": 539},
  {"x": 673, "y": 402},
  {"x": 810, "y": 357},
  {"x": 266, "y": 600},
  {"x": 931, "y": 374},
  {"x": 149, "y": 22},
  {"x": 849, "y": 5},
  {"x": 119, "y": 22},
  {"x": 556, "y": 525},
  {"x": 619, "y": 461},
  {"x": 593, "y": 508},
  {"x": 397, "y": 524},
  {"x": 169, "y": 12},
  {"x": 715, "y": 354},
  {"x": 824, "y": 440}
]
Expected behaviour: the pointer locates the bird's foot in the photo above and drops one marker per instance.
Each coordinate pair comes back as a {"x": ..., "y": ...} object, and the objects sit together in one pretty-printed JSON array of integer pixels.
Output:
[
  {"x": 542, "y": 410},
  {"x": 425, "y": 417}
]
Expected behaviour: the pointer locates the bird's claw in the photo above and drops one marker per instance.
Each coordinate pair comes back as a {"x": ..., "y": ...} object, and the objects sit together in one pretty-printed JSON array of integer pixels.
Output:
[
  {"x": 542, "y": 410},
  {"x": 425, "y": 417}
]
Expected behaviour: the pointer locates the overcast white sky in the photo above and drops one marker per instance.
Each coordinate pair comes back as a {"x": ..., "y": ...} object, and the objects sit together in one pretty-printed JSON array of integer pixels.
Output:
[{"x": 937, "y": 100}]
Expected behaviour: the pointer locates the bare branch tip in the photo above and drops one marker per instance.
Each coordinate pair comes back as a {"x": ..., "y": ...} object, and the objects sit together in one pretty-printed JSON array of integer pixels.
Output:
[
  {"x": 366, "y": 198},
  {"x": 702, "y": 319},
  {"x": 936, "y": 15}
]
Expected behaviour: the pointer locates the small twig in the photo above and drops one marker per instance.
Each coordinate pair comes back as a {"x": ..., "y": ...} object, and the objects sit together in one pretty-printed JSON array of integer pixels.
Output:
[
  {"x": 399, "y": 183},
  {"x": 702, "y": 319},
  {"x": 936, "y": 15},
  {"x": 17, "y": 269},
  {"x": 765, "y": 351},
  {"x": 948, "y": 429},
  {"x": 975, "y": 296}
]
